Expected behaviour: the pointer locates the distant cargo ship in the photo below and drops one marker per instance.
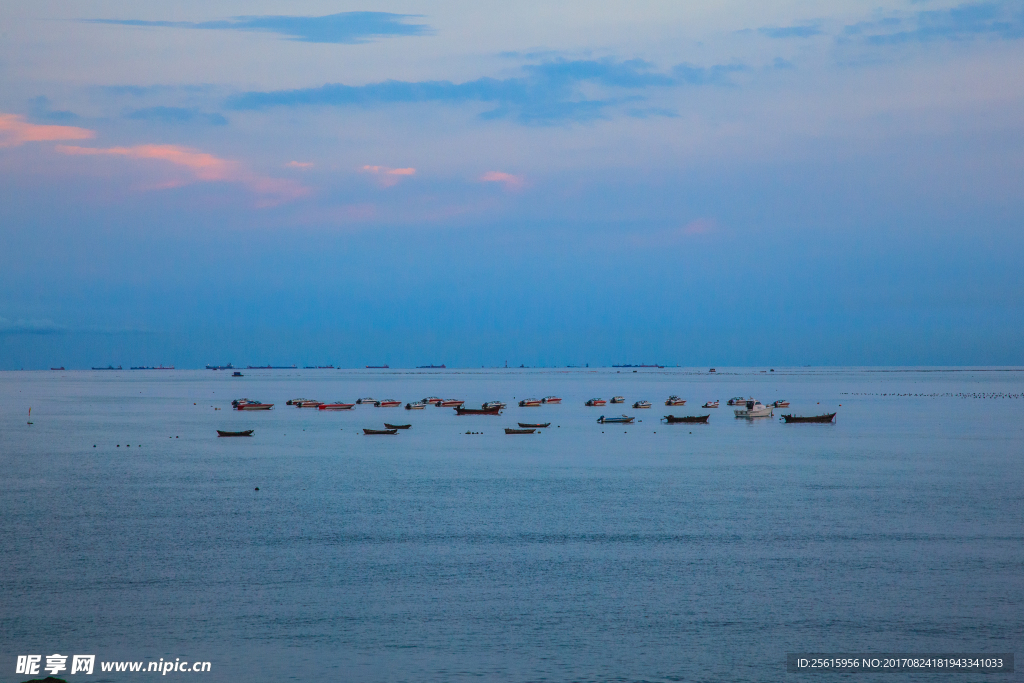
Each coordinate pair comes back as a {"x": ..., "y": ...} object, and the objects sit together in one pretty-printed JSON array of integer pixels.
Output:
[
  {"x": 429, "y": 367},
  {"x": 638, "y": 366},
  {"x": 376, "y": 367},
  {"x": 152, "y": 367},
  {"x": 110, "y": 367},
  {"x": 229, "y": 366},
  {"x": 271, "y": 367}
]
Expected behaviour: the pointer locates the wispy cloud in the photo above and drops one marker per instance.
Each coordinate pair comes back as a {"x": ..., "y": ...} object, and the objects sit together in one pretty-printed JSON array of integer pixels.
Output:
[
  {"x": 15, "y": 131},
  {"x": 176, "y": 115},
  {"x": 299, "y": 164},
  {"x": 804, "y": 31},
  {"x": 546, "y": 93},
  {"x": 345, "y": 27},
  {"x": 511, "y": 182},
  {"x": 990, "y": 19},
  {"x": 22, "y": 326},
  {"x": 201, "y": 167},
  {"x": 386, "y": 176}
]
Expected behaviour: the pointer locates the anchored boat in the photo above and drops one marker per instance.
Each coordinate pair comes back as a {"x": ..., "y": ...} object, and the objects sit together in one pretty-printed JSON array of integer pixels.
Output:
[
  {"x": 829, "y": 417},
  {"x": 675, "y": 401},
  {"x": 625, "y": 419},
  {"x": 530, "y": 403},
  {"x": 477, "y": 411},
  {"x": 389, "y": 426},
  {"x": 509, "y": 430},
  {"x": 710, "y": 404},
  {"x": 247, "y": 432},
  {"x": 539, "y": 425},
  {"x": 642, "y": 404},
  {"x": 618, "y": 399},
  {"x": 689, "y": 419},
  {"x": 596, "y": 402},
  {"x": 387, "y": 403},
  {"x": 551, "y": 399},
  {"x": 368, "y": 432},
  {"x": 336, "y": 406},
  {"x": 754, "y": 408}
]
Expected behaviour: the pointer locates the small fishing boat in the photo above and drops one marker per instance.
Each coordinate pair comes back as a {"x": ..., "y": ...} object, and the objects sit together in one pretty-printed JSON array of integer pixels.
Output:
[
  {"x": 596, "y": 402},
  {"x": 247, "y": 432},
  {"x": 336, "y": 406},
  {"x": 781, "y": 403},
  {"x": 510, "y": 430},
  {"x": 388, "y": 403},
  {"x": 293, "y": 401},
  {"x": 551, "y": 399},
  {"x": 60, "y": 368},
  {"x": 754, "y": 408},
  {"x": 415, "y": 405},
  {"x": 247, "y": 404},
  {"x": 829, "y": 417},
  {"x": 236, "y": 373},
  {"x": 477, "y": 411},
  {"x": 689, "y": 419},
  {"x": 308, "y": 404},
  {"x": 539, "y": 425},
  {"x": 361, "y": 401},
  {"x": 625, "y": 419},
  {"x": 379, "y": 431},
  {"x": 675, "y": 401},
  {"x": 493, "y": 404},
  {"x": 618, "y": 399},
  {"x": 450, "y": 403},
  {"x": 710, "y": 404},
  {"x": 530, "y": 403},
  {"x": 736, "y": 400},
  {"x": 642, "y": 404},
  {"x": 432, "y": 400},
  {"x": 389, "y": 426}
]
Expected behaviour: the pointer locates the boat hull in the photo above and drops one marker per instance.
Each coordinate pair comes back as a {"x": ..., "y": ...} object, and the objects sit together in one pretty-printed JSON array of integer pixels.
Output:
[
  {"x": 389, "y": 426},
  {"x": 247, "y": 432},
  {"x": 255, "y": 406},
  {"x": 477, "y": 411},
  {"x": 509, "y": 430},
  {"x": 337, "y": 406},
  {"x": 616, "y": 420},
  {"x": 689, "y": 419},
  {"x": 379, "y": 432},
  {"x": 527, "y": 425},
  {"x": 820, "y": 419}
]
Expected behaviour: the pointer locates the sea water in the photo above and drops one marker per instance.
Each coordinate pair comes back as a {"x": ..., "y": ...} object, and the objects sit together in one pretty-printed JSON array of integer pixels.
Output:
[{"x": 586, "y": 552}]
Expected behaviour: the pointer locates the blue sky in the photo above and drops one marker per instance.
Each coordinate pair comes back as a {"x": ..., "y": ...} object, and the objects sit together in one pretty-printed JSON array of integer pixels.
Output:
[{"x": 703, "y": 183}]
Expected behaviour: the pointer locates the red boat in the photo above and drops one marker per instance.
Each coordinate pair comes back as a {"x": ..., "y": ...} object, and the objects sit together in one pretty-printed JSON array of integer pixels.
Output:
[
  {"x": 388, "y": 403},
  {"x": 432, "y": 400},
  {"x": 530, "y": 403},
  {"x": 596, "y": 402},
  {"x": 477, "y": 411},
  {"x": 336, "y": 406},
  {"x": 551, "y": 399},
  {"x": 450, "y": 403},
  {"x": 675, "y": 401},
  {"x": 307, "y": 404},
  {"x": 253, "y": 405}
]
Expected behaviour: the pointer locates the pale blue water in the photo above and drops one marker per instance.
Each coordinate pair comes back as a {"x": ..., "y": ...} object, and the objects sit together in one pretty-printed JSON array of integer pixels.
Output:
[{"x": 588, "y": 552}]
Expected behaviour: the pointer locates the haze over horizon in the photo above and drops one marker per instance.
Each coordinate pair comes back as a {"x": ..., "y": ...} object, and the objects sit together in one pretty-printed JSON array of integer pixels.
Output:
[{"x": 708, "y": 184}]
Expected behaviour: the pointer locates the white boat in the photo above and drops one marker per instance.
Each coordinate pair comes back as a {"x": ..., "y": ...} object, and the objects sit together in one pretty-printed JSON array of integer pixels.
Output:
[
  {"x": 642, "y": 404},
  {"x": 361, "y": 401},
  {"x": 736, "y": 401},
  {"x": 674, "y": 400},
  {"x": 530, "y": 403},
  {"x": 711, "y": 404},
  {"x": 618, "y": 399},
  {"x": 493, "y": 404},
  {"x": 754, "y": 408},
  {"x": 781, "y": 403},
  {"x": 415, "y": 405}
]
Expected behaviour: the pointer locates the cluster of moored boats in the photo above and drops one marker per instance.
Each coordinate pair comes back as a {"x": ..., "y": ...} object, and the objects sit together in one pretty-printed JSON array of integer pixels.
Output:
[{"x": 742, "y": 408}]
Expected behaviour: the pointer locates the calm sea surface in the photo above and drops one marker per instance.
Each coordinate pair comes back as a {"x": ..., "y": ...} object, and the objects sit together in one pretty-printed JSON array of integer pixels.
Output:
[{"x": 588, "y": 552}]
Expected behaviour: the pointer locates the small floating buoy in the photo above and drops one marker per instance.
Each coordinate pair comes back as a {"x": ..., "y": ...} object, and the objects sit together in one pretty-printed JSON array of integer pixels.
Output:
[
  {"x": 257, "y": 488},
  {"x": 94, "y": 445},
  {"x": 118, "y": 445}
]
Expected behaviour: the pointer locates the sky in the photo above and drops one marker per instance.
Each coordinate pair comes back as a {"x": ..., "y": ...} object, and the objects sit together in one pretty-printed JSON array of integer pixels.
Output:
[{"x": 410, "y": 183}]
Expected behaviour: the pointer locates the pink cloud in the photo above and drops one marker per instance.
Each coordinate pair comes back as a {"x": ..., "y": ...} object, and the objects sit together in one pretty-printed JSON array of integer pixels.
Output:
[
  {"x": 299, "y": 164},
  {"x": 202, "y": 167},
  {"x": 511, "y": 182},
  {"x": 388, "y": 176},
  {"x": 15, "y": 130}
]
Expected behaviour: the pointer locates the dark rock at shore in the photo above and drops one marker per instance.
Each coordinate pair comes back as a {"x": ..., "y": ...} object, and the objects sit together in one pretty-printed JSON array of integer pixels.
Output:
[{"x": 48, "y": 679}]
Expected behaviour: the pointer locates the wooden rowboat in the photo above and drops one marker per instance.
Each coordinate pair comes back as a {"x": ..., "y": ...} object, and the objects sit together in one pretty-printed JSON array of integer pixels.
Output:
[
  {"x": 526, "y": 425},
  {"x": 830, "y": 417},
  {"x": 477, "y": 411},
  {"x": 396, "y": 426},
  {"x": 247, "y": 432},
  {"x": 690, "y": 419},
  {"x": 379, "y": 431},
  {"x": 509, "y": 430}
]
